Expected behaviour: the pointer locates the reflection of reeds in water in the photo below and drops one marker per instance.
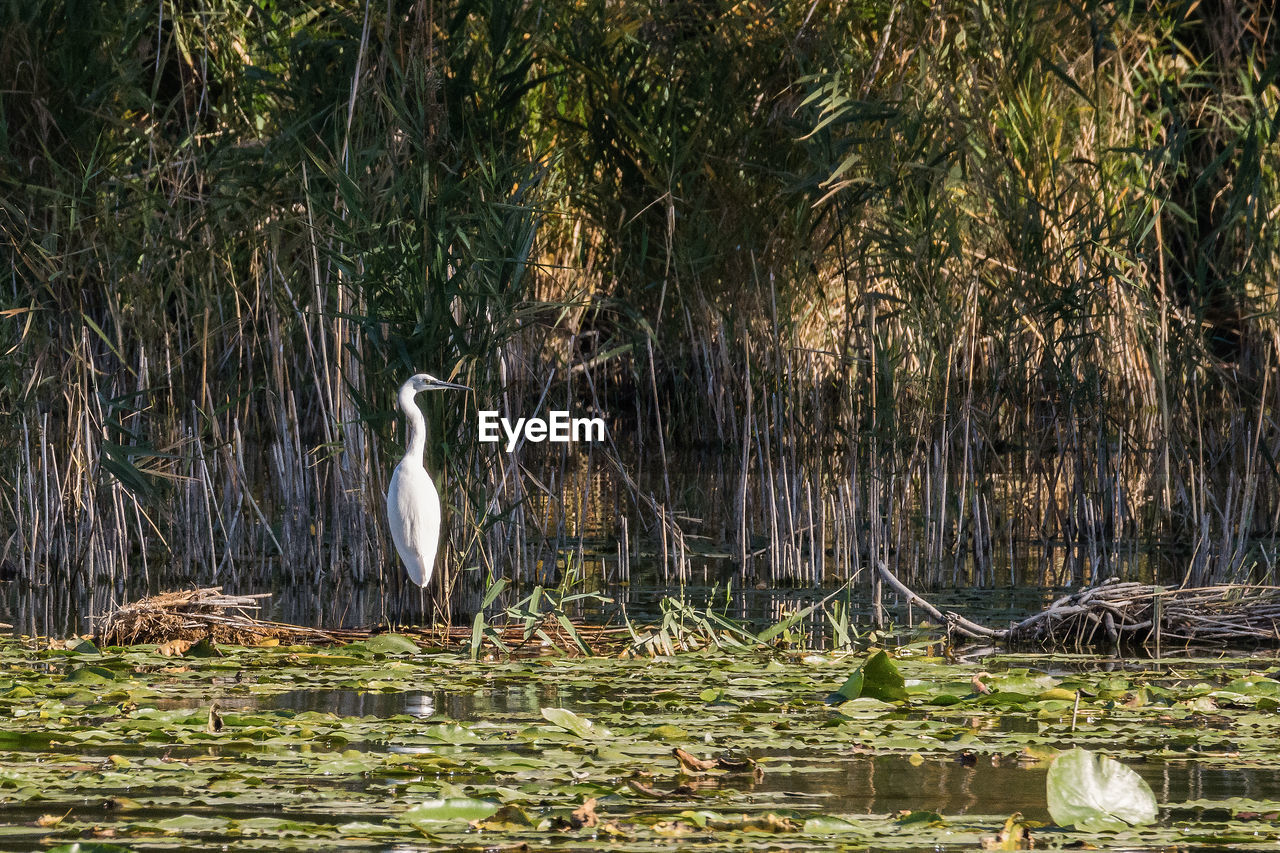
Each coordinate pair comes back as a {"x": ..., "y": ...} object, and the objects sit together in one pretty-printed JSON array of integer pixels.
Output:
[{"x": 992, "y": 299}]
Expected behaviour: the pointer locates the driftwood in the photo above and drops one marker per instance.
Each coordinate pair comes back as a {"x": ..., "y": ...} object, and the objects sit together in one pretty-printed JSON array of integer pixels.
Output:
[{"x": 1124, "y": 612}]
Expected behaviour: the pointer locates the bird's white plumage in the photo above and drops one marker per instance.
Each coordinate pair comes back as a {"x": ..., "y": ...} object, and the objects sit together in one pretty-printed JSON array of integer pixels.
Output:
[
  {"x": 413, "y": 508},
  {"x": 413, "y": 504}
]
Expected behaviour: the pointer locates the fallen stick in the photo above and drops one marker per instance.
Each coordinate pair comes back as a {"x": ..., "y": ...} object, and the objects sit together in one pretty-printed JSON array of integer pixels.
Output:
[{"x": 953, "y": 621}]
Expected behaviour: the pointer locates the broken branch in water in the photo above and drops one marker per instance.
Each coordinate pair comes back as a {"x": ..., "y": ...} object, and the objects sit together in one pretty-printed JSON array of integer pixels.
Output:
[{"x": 1130, "y": 612}]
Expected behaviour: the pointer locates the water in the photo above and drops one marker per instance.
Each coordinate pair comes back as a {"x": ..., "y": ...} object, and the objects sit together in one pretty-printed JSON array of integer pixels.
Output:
[{"x": 841, "y": 778}]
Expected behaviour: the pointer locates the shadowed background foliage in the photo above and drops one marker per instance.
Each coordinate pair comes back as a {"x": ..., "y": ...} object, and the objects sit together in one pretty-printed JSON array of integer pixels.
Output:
[{"x": 985, "y": 289}]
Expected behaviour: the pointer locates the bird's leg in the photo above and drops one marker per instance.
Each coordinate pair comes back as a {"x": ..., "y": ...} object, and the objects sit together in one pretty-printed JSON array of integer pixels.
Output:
[
  {"x": 402, "y": 609},
  {"x": 384, "y": 616}
]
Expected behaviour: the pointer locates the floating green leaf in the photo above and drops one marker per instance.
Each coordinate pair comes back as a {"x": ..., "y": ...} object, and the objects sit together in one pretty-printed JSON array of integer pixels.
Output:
[
  {"x": 669, "y": 732},
  {"x": 90, "y": 675},
  {"x": 83, "y": 647},
  {"x": 190, "y": 823},
  {"x": 566, "y": 719},
  {"x": 828, "y": 825},
  {"x": 464, "y": 809},
  {"x": 1093, "y": 792},
  {"x": 389, "y": 644}
]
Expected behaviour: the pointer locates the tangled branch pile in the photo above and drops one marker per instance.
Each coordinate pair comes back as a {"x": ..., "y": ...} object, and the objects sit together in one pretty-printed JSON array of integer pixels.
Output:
[
  {"x": 1119, "y": 612},
  {"x": 197, "y": 614},
  {"x": 1133, "y": 612}
]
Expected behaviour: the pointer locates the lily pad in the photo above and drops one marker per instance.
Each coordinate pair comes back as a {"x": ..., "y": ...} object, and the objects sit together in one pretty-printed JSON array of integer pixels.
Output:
[
  {"x": 388, "y": 644},
  {"x": 90, "y": 675},
  {"x": 1093, "y": 792},
  {"x": 828, "y": 825},
  {"x": 566, "y": 719},
  {"x": 451, "y": 809}
]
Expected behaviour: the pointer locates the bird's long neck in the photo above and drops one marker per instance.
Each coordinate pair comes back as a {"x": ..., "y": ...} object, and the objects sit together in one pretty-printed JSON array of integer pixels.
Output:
[{"x": 417, "y": 424}]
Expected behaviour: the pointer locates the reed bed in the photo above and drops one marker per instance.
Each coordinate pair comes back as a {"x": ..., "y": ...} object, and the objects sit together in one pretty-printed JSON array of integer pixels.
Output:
[{"x": 988, "y": 293}]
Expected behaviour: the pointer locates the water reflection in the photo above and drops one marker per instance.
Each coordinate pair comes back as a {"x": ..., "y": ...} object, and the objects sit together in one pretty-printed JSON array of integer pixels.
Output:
[
  {"x": 862, "y": 784},
  {"x": 334, "y": 600},
  {"x": 514, "y": 703}
]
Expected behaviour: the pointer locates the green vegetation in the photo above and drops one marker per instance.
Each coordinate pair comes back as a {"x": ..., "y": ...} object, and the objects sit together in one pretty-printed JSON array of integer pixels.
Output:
[
  {"x": 362, "y": 748},
  {"x": 1094, "y": 792},
  {"x": 988, "y": 289}
]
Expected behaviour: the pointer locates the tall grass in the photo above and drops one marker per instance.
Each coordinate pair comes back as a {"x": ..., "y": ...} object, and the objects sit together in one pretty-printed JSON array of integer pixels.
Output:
[{"x": 989, "y": 291}]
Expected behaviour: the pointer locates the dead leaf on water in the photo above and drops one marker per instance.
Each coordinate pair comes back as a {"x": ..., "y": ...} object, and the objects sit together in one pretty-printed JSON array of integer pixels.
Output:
[
  {"x": 585, "y": 815},
  {"x": 769, "y": 823},
  {"x": 642, "y": 789},
  {"x": 692, "y": 764},
  {"x": 673, "y": 827},
  {"x": 174, "y": 648},
  {"x": 695, "y": 766},
  {"x": 1014, "y": 835}
]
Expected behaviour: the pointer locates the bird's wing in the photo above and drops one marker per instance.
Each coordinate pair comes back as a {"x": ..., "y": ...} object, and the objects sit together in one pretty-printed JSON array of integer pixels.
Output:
[{"x": 413, "y": 508}]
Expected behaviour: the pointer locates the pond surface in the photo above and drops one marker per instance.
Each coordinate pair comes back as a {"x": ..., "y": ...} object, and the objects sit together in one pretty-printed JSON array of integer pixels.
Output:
[{"x": 368, "y": 747}]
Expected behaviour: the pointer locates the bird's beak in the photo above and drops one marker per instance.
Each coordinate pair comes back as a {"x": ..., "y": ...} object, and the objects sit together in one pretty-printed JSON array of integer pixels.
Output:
[{"x": 441, "y": 385}]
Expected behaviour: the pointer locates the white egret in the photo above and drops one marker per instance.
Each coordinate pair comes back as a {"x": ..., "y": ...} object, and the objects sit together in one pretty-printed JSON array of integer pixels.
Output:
[{"x": 413, "y": 504}]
